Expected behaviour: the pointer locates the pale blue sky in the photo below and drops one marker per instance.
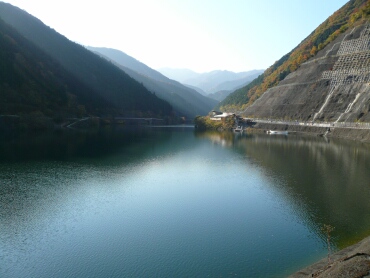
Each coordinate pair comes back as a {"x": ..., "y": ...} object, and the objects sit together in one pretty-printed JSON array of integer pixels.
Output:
[{"x": 201, "y": 35}]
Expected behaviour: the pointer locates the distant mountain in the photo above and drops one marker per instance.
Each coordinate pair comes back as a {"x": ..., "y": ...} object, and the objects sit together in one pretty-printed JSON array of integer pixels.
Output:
[
  {"x": 180, "y": 75},
  {"x": 223, "y": 90},
  {"x": 199, "y": 90},
  {"x": 232, "y": 85},
  {"x": 32, "y": 83},
  {"x": 220, "y": 95},
  {"x": 210, "y": 81},
  {"x": 214, "y": 81},
  {"x": 185, "y": 101},
  {"x": 113, "y": 85}
]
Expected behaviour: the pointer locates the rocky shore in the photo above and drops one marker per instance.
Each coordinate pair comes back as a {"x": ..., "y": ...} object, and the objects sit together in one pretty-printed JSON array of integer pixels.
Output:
[{"x": 351, "y": 262}]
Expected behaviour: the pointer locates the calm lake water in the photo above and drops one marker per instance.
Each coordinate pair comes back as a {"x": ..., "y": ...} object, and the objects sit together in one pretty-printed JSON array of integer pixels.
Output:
[{"x": 171, "y": 202}]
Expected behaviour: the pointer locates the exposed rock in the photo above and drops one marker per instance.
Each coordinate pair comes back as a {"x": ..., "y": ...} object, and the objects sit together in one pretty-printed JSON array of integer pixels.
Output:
[{"x": 351, "y": 262}]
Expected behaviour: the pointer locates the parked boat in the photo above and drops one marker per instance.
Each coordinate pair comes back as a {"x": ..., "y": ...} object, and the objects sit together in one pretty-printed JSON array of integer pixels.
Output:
[
  {"x": 283, "y": 132},
  {"x": 238, "y": 129}
]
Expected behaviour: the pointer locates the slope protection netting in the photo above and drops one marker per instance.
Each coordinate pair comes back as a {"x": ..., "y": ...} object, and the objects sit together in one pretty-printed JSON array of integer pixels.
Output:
[{"x": 353, "y": 65}]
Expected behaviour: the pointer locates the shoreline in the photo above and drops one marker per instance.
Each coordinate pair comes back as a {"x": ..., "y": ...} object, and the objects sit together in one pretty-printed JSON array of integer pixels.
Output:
[
  {"x": 361, "y": 135},
  {"x": 352, "y": 261}
]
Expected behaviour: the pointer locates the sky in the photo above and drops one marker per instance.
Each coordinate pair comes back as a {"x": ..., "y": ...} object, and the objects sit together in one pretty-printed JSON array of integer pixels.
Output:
[{"x": 201, "y": 35}]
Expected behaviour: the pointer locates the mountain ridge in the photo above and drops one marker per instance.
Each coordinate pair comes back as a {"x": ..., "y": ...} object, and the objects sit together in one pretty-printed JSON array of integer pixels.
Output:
[
  {"x": 32, "y": 83},
  {"x": 186, "y": 101},
  {"x": 116, "y": 87},
  {"x": 179, "y": 75},
  {"x": 213, "y": 81}
]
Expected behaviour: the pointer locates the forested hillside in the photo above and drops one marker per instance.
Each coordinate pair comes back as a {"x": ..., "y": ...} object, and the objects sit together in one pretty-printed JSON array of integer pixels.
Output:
[
  {"x": 351, "y": 14},
  {"x": 33, "y": 83},
  {"x": 185, "y": 101},
  {"x": 119, "y": 90}
]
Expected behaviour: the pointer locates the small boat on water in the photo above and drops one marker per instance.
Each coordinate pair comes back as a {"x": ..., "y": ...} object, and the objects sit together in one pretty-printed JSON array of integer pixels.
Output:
[
  {"x": 238, "y": 129},
  {"x": 282, "y": 132}
]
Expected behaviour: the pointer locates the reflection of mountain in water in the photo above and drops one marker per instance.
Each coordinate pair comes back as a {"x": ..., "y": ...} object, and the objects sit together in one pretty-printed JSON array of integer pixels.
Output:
[
  {"x": 72, "y": 145},
  {"x": 325, "y": 182},
  {"x": 36, "y": 169}
]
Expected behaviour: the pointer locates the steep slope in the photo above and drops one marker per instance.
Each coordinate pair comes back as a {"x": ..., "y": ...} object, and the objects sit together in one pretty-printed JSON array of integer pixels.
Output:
[
  {"x": 185, "y": 101},
  {"x": 33, "y": 83},
  {"x": 355, "y": 12},
  {"x": 127, "y": 61},
  {"x": 117, "y": 88},
  {"x": 334, "y": 86}
]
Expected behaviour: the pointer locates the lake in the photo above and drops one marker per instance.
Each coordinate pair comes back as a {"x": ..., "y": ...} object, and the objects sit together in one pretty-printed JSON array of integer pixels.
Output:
[{"x": 173, "y": 202}]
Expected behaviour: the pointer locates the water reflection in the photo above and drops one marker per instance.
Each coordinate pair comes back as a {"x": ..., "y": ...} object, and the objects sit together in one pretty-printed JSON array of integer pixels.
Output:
[
  {"x": 41, "y": 172},
  {"x": 70, "y": 144},
  {"x": 326, "y": 181},
  {"x": 172, "y": 202}
]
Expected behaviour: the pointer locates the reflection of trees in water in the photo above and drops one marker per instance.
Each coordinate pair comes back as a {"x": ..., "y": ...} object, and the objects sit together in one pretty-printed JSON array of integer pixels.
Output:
[
  {"x": 225, "y": 139},
  {"x": 70, "y": 144},
  {"x": 39, "y": 171},
  {"x": 325, "y": 182},
  {"x": 331, "y": 179}
]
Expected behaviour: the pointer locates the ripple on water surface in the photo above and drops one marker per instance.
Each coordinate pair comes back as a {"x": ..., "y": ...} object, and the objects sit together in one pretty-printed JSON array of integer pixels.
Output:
[{"x": 179, "y": 205}]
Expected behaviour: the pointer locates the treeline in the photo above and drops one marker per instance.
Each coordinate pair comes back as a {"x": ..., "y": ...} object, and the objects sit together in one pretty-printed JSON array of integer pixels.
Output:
[
  {"x": 205, "y": 123},
  {"x": 351, "y": 14}
]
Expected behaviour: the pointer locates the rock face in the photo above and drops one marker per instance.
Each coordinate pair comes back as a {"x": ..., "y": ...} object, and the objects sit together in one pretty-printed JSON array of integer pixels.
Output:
[
  {"x": 353, "y": 261},
  {"x": 333, "y": 86}
]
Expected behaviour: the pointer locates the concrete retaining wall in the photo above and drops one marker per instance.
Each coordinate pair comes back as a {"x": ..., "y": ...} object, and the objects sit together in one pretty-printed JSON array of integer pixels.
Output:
[{"x": 346, "y": 133}]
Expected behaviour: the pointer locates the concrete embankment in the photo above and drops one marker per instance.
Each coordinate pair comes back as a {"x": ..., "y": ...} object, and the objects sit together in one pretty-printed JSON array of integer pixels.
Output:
[{"x": 337, "y": 132}]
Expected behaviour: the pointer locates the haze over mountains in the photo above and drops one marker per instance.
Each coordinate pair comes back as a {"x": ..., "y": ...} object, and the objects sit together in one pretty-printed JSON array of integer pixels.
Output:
[
  {"x": 213, "y": 84},
  {"x": 122, "y": 94},
  {"x": 44, "y": 72},
  {"x": 186, "y": 101},
  {"x": 115, "y": 85}
]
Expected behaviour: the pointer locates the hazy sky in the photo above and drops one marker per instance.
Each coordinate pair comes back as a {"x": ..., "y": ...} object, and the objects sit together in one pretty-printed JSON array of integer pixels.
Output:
[{"x": 201, "y": 35}]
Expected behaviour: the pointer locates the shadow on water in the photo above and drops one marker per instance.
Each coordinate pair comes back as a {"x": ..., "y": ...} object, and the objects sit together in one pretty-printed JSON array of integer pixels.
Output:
[
  {"x": 325, "y": 181},
  {"x": 37, "y": 167},
  {"x": 70, "y": 145}
]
